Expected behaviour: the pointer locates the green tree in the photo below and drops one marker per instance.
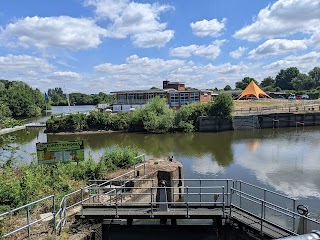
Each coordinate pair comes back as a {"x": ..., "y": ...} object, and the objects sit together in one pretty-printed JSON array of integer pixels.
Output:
[
  {"x": 303, "y": 82},
  {"x": 222, "y": 107},
  {"x": 245, "y": 82},
  {"x": 268, "y": 82},
  {"x": 284, "y": 78},
  {"x": 315, "y": 75},
  {"x": 227, "y": 88}
]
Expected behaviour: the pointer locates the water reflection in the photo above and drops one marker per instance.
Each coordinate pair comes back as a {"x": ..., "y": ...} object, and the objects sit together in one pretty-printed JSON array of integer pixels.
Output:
[
  {"x": 218, "y": 146},
  {"x": 284, "y": 160}
]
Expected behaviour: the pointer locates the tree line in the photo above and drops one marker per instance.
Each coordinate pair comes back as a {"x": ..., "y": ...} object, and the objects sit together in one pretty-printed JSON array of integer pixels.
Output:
[
  {"x": 18, "y": 100},
  {"x": 58, "y": 98},
  {"x": 287, "y": 79},
  {"x": 155, "y": 117}
]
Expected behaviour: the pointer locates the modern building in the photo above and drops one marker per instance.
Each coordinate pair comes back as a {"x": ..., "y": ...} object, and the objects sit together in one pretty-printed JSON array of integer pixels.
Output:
[{"x": 175, "y": 93}]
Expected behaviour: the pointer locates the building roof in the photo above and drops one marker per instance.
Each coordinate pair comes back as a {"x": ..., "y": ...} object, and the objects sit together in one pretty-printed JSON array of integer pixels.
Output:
[{"x": 159, "y": 91}]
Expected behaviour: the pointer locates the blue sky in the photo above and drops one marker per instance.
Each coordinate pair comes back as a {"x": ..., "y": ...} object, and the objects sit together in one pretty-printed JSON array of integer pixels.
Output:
[{"x": 93, "y": 46}]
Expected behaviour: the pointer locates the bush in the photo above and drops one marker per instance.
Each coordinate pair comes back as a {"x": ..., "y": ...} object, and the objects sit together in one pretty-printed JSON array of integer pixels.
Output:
[
  {"x": 222, "y": 107},
  {"x": 186, "y": 118},
  {"x": 120, "y": 158}
]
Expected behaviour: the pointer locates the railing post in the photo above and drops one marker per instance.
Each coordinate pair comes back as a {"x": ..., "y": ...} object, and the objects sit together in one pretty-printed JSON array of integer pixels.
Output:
[
  {"x": 293, "y": 215},
  {"x": 264, "y": 199},
  {"x": 28, "y": 221},
  {"x": 54, "y": 215},
  {"x": 240, "y": 188},
  {"x": 231, "y": 193},
  {"x": 81, "y": 195},
  {"x": 262, "y": 214},
  {"x": 151, "y": 202},
  {"x": 223, "y": 207},
  {"x": 144, "y": 169},
  {"x": 187, "y": 201},
  {"x": 116, "y": 203},
  {"x": 227, "y": 192},
  {"x": 200, "y": 191},
  {"x": 134, "y": 170}
]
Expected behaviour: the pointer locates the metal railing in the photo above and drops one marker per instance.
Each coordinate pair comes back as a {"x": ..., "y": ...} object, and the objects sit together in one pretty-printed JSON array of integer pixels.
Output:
[
  {"x": 116, "y": 198},
  {"x": 267, "y": 205},
  {"x": 30, "y": 222},
  {"x": 78, "y": 197}
]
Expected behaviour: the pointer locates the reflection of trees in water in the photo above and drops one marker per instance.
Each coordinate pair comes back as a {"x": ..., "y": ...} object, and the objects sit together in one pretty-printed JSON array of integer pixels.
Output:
[
  {"x": 24, "y": 136},
  {"x": 196, "y": 144}
]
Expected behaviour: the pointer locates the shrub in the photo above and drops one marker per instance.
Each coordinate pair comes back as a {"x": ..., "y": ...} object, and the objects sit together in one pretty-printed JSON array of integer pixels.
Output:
[{"x": 222, "y": 107}]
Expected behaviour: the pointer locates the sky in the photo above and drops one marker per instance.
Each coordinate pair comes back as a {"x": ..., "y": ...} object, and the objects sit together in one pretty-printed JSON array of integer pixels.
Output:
[{"x": 93, "y": 46}]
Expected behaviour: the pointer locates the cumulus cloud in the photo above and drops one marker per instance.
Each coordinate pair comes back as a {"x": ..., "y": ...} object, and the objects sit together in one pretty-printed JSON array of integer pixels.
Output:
[
  {"x": 282, "y": 18},
  {"x": 152, "y": 39},
  {"x": 205, "y": 27},
  {"x": 275, "y": 47},
  {"x": 136, "y": 65},
  {"x": 304, "y": 62},
  {"x": 24, "y": 64},
  {"x": 65, "y": 75},
  {"x": 139, "y": 20},
  {"x": 211, "y": 51},
  {"x": 59, "y": 32},
  {"x": 238, "y": 53}
]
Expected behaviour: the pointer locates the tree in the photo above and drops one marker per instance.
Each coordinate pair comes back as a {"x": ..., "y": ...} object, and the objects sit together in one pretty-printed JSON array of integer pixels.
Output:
[
  {"x": 222, "y": 107},
  {"x": 284, "y": 78},
  {"x": 227, "y": 88},
  {"x": 303, "y": 82},
  {"x": 315, "y": 75},
  {"x": 268, "y": 82},
  {"x": 245, "y": 82}
]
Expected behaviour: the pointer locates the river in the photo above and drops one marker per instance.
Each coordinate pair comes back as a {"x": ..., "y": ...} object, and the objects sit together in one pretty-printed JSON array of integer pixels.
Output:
[{"x": 282, "y": 160}]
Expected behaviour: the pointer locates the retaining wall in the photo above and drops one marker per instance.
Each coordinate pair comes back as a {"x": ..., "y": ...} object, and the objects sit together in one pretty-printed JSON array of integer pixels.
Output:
[{"x": 279, "y": 120}]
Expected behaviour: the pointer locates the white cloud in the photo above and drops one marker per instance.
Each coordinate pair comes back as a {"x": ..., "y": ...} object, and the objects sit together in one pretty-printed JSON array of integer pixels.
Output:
[
  {"x": 303, "y": 62},
  {"x": 152, "y": 39},
  {"x": 282, "y": 18},
  {"x": 59, "y": 32},
  {"x": 205, "y": 27},
  {"x": 136, "y": 65},
  {"x": 275, "y": 47},
  {"x": 315, "y": 40},
  {"x": 24, "y": 64},
  {"x": 70, "y": 76},
  {"x": 211, "y": 51},
  {"x": 139, "y": 20},
  {"x": 238, "y": 53}
]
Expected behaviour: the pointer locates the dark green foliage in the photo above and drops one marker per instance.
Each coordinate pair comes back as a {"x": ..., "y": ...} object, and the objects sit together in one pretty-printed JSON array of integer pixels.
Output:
[
  {"x": 303, "y": 82},
  {"x": 284, "y": 78},
  {"x": 227, "y": 88},
  {"x": 186, "y": 119},
  {"x": 268, "y": 82},
  {"x": 222, "y": 107}
]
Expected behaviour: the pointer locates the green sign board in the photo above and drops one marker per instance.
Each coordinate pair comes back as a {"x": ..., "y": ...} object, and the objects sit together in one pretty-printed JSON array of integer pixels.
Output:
[{"x": 65, "y": 151}]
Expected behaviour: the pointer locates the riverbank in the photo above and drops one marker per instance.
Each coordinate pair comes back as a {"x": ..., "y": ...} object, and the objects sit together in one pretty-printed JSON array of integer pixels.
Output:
[{"x": 10, "y": 130}]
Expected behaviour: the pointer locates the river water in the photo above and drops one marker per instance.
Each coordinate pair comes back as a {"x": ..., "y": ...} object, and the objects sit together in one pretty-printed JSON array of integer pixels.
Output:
[{"x": 281, "y": 160}]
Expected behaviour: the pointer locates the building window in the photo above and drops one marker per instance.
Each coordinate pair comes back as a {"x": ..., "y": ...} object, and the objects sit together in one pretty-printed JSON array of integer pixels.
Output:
[
  {"x": 184, "y": 98},
  {"x": 194, "y": 97},
  {"x": 122, "y": 99},
  {"x": 174, "y": 99}
]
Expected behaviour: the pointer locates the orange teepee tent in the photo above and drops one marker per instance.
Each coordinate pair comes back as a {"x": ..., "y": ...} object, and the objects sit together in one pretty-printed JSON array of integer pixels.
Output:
[{"x": 253, "y": 89}]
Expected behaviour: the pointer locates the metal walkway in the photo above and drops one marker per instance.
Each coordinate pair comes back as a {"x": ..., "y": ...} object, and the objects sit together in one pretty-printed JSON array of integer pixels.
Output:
[{"x": 226, "y": 201}]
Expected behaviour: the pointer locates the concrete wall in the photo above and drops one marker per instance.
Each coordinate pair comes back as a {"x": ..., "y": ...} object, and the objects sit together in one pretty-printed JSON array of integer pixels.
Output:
[
  {"x": 211, "y": 124},
  {"x": 281, "y": 120}
]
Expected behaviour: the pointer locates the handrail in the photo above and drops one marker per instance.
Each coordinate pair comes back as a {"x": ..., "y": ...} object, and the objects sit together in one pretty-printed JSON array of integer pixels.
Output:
[
  {"x": 29, "y": 221},
  {"x": 268, "y": 205}
]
